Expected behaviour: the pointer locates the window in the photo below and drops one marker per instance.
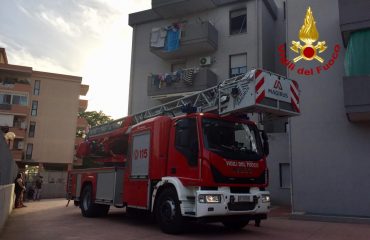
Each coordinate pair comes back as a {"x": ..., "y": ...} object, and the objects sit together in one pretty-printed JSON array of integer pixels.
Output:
[
  {"x": 5, "y": 98},
  {"x": 20, "y": 100},
  {"x": 284, "y": 169},
  {"x": 36, "y": 88},
  {"x": 29, "y": 151},
  {"x": 238, "y": 21},
  {"x": 357, "y": 59},
  {"x": 238, "y": 64},
  {"x": 186, "y": 139},
  {"x": 34, "y": 108},
  {"x": 231, "y": 140},
  {"x": 31, "y": 132}
]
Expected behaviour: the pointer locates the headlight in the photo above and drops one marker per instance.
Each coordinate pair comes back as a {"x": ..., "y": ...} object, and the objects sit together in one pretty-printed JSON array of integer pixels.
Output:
[
  {"x": 210, "y": 198},
  {"x": 265, "y": 198}
]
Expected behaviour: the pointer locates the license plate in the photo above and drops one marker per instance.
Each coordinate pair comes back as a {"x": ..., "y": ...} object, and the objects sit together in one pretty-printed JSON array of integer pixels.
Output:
[{"x": 245, "y": 198}]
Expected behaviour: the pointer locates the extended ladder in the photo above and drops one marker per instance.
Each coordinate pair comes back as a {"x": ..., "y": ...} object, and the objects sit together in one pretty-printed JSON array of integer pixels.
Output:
[{"x": 255, "y": 91}]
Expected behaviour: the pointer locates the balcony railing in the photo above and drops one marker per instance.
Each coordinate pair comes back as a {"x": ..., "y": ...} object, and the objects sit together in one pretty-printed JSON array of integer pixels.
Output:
[
  {"x": 204, "y": 79},
  {"x": 84, "y": 89},
  {"x": 178, "y": 8},
  {"x": 17, "y": 155},
  {"x": 196, "y": 39},
  {"x": 19, "y": 87},
  {"x": 83, "y": 104},
  {"x": 19, "y": 132},
  {"x": 357, "y": 98},
  {"x": 81, "y": 122},
  {"x": 17, "y": 110}
]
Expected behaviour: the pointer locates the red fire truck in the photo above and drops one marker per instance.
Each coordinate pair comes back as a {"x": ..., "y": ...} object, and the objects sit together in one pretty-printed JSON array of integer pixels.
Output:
[{"x": 196, "y": 158}]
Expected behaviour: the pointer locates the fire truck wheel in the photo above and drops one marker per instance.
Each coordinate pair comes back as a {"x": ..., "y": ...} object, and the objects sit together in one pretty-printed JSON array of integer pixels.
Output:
[
  {"x": 88, "y": 208},
  {"x": 168, "y": 213},
  {"x": 235, "y": 224}
]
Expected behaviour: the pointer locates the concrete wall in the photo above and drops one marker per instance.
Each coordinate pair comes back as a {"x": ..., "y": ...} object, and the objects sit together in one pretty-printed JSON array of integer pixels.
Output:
[
  {"x": 268, "y": 26},
  {"x": 279, "y": 153},
  {"x": 6, "y": 203},
  {"x": 8, "y": 168},
  {"x": 330, "y": 155},
  {"x": 144, "y": 62}
]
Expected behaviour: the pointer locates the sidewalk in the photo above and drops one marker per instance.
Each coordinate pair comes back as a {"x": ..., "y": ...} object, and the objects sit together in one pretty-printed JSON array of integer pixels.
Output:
[{"x": 51, "y": 220}]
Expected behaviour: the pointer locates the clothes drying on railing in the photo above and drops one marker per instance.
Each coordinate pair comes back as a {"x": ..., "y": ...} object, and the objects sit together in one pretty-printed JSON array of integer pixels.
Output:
[
  {"x": 167, "y": 79},
  {"x": 188, "y": 76},
  {"x": 173, "y": 39},
  {"x": 158, "y": 37},
  {"x": 167, "y": 37}
]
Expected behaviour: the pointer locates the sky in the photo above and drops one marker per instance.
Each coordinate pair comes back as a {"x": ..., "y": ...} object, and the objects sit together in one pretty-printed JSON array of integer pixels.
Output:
[{"x": 87, "y": 38}]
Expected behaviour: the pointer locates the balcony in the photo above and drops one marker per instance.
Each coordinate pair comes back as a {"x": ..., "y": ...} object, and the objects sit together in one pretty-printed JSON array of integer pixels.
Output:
[
  {"x": 204, "y": 79},
  {"x": 17, "y": 110},
  {"x": 178, "y": 8},
  {"x": 84, "y": 89},
  {"x": 82, "y": 104},
  {"x": 82, "y": 123},
  {"x": 23, "y": 86},
  {"x": 196, "y": 39},
  {"x": 353, "y": 16},
  {"x": 19, "y": 132},
  {"x": 357, "y": 98},
  {"x": 17, "y": 155}
]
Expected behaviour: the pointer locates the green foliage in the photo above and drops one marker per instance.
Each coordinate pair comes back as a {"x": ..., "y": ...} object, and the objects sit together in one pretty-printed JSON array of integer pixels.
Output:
[{"x": 95, "y": 118}]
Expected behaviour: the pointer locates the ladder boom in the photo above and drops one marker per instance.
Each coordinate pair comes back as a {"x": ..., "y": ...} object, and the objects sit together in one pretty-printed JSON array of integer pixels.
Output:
[{"x": 255, "y": 91}]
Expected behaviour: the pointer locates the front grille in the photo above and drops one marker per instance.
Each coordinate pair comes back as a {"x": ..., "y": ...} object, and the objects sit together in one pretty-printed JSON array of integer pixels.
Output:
[
  {"x": 220, "y": 178},
  {"x": 239, "y": 189},
  {"x": 241, "y": 206}
]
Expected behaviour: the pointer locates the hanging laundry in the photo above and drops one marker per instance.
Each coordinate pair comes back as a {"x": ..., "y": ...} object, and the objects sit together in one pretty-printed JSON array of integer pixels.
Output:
[
  {"x": 158, "y": 37},
  {"x": 188, "y": 76},
  {"x": 172, "y": 40},
  {"x": 155, "y": 80},
  {"x": 168, "y": 79},
  {"x": 162, "y": 82}
]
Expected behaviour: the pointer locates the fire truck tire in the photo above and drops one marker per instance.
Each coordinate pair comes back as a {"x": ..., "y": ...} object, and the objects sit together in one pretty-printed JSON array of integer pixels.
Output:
[
  {"x": 168, "y": 212},
  {"x": 235, "y": 223},
  {"x": 88, "y": 208}
]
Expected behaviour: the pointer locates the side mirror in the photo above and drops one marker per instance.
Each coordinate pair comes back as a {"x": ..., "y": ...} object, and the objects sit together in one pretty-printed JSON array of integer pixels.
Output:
[{"x": 265, "y": 143}]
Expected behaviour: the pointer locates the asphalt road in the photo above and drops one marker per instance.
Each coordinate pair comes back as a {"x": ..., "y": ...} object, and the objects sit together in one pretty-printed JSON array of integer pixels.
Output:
[{"x": 51, "y": 220}]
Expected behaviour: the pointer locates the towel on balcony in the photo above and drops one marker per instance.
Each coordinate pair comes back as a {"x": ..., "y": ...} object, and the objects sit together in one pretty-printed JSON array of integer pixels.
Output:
[
  {"x": 188, "y": 76},
  {"x": 172, "y": 39},
  {"x": 158, "y": 37}
]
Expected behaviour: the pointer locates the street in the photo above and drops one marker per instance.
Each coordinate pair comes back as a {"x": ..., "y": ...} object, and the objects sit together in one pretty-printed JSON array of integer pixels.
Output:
[{"x": 51, "y": 220}]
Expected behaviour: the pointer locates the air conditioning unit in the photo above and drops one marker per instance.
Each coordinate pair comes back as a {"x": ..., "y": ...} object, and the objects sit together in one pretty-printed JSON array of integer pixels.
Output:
[{"x": 205, "y": 61}]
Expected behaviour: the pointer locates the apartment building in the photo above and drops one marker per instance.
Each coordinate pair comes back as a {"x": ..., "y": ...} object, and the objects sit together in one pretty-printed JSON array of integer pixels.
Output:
[
  {"x": 41, "y": 108},
  {"x": 318, "y": 161}
]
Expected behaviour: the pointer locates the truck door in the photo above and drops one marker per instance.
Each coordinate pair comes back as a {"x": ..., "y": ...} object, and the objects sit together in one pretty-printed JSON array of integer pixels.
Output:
[
  {"x": 137, "y": 187},
  {"x": 184, "y": 149}
]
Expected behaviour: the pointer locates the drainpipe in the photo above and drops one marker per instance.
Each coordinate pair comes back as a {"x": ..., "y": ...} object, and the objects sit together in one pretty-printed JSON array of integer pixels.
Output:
[{"x": 289, "y": 119}]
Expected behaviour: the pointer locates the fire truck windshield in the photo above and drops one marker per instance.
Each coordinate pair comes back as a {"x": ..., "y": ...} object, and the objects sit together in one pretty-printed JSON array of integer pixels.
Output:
[{"x": 231, "y": 140}]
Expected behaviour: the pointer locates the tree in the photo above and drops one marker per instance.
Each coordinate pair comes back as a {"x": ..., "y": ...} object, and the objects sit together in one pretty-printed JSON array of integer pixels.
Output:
[{"x": 93, "y": 118}]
